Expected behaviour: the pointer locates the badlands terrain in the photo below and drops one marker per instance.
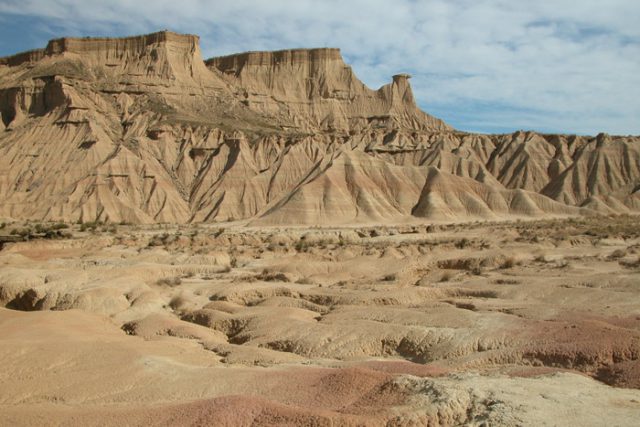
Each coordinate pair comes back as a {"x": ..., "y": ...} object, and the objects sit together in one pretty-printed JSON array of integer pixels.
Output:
[
  {"x": 509, "y": 323},
  {"x": 260, "y": 239}
]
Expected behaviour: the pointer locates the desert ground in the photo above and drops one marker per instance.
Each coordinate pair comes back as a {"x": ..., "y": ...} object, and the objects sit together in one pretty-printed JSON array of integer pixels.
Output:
[{"x": 477, "y": 323}]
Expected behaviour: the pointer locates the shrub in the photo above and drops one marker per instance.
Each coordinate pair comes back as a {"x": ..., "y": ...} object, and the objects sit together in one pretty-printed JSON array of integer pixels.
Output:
[
  {"x": 617, "y": 254},
  {"x": 22, "y": 232},
  {"x": 302, "y": 246},
  {"x": 169, "y": 281},
  {"x": 269, "y": 276},
  {"x": 462, "y": 243},
  {"x": 508, "y": 263},
  {"x": 177, "y": 302},
  {"x": 507, "y": 282}
]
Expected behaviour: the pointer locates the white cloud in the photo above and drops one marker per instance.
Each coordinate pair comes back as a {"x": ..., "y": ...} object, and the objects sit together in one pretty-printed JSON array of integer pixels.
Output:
[{"x": 485, "y": 64}]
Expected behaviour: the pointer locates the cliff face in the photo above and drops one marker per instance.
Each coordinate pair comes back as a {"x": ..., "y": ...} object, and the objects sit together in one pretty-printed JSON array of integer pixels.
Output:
[
  {"x": 163, "y": 55},
  {"x": 139, "y": 129},
  {"x": 314, "y": 88}
]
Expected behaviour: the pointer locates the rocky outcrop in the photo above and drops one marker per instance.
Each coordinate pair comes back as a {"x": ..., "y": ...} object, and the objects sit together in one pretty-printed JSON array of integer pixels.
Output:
[
  {"x": 163, "y": 54},
  {"x": 139, "y": 129},
  {"x": 315, "y": 89}
]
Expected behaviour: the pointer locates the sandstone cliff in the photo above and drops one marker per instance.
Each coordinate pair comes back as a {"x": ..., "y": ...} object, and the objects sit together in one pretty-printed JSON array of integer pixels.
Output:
[
  {"x": 139, "y": 129},
  {"x": 314, "y": 88}
]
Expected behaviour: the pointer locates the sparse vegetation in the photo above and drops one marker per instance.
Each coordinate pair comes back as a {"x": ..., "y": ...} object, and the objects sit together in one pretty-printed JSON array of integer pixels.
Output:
[
  {"x": 462, "y": 243},
  {"x": 509, "y": 262},
  {"x": 476, "y": 271},
  {"x": 42, "y": 231},
  {"x": 177, "y": 302},
  {"x": 507, "y": 282},
  {"x": 270, "y": 276},
  {"x": 618, "y": 253},
  {"x": 169, "y": 281},
  {"x": 302, "y": 246}
]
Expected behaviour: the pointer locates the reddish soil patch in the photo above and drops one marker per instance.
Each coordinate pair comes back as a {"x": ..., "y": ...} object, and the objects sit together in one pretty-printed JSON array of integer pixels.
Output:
[
  {"x": 623, "y": 374},
  {"x": 594, "y": 345},
  {"x": 349, "y": 390}
]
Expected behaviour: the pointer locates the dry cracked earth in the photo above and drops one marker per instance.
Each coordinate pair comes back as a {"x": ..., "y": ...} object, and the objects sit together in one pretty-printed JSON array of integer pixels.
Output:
[{"x": 506, "y": 323}]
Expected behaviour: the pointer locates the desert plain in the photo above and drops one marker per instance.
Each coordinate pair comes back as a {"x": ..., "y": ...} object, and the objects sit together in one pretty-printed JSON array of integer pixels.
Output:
[{"x": 494, "y": 323}]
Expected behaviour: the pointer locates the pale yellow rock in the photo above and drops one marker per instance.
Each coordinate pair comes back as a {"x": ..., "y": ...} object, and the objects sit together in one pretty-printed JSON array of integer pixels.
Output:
[{"x": 141, "y": 130}]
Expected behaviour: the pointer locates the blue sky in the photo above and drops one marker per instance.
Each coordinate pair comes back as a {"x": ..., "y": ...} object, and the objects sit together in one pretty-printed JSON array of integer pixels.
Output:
[{"x": 481, "y": 65}]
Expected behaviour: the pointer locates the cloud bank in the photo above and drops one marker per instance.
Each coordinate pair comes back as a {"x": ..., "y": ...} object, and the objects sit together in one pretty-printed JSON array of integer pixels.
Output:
[{"x": 483, "y": 65}]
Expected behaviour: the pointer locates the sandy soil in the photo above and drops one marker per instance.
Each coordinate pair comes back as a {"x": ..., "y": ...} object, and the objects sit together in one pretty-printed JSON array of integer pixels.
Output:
[{"x": 519, "y": 323}]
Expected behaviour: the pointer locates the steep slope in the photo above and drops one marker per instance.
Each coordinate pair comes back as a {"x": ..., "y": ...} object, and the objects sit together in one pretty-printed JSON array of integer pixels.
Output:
[
  {"x": 446, "y": 196},
  {"x": 83, "y": 121},
  {"x": 351, "y": 188},
  {"x": 523, "y": 160},
  {"x": 139, "y": 129},
  {"x": 604, "y": 175}
]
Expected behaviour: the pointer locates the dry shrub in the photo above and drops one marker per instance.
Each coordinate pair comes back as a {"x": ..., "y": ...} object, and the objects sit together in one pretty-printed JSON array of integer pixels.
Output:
[
  {"x": 169, "y": 281},
  {"x": 509, "y": 262},
  {"x": 462, "y": 243},
  {"x": 269, "y": 276},
  {"x": 618, "y": 253},
  {"x": 476, "y": 271},
  {"x": 177, "y": 302},
  {"x": 467, "y": 264},
  {"x": 507, "y": 282}
]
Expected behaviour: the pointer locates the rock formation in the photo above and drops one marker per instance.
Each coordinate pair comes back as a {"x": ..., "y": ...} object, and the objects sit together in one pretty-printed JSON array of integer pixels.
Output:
[
  {"x": 141, "y": 129},
  {"x": 315, "y": 90}
]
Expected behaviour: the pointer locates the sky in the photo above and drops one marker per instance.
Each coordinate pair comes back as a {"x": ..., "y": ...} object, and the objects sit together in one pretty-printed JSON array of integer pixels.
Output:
[{"x": 493, "y": 66}]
